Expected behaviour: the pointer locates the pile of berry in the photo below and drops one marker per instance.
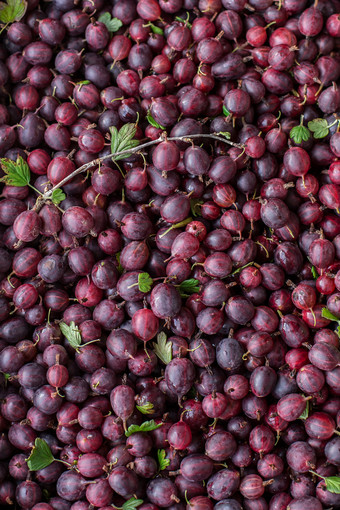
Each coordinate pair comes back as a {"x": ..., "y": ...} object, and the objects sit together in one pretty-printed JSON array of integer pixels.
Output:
[{"x": 169, "y": 254}]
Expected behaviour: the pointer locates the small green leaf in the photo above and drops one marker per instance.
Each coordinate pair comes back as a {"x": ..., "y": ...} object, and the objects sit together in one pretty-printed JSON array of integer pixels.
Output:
[
  {"x": 333, "y": 484},
  {"x": 314, "y": 273},
  {"x": 123, "y": 140},
  {"x": 112, "y": 24},
  {"x": 189, "y": 287},
  {"x": 153, "y": 123},
  {"x": 13, "y": 10},
  {"x": 17, "y": 172},
  {"x": 132, "y": 503},
  {"x": 319, "y": 127},
  {"x": 305, "y": 413},
  {"x": 155, "y": 29},
  {"x": 57, "y": 196},
  {"x": 147, "y": 426},
  {"x": 163, "y": 348},
  {"x": 329, "y": 315},
  {"x": 226, "y": 134},
  {"x": 338, "y": 330},
  {"x": 120, "y": 268},
  {"x": 299, "y": 134},
  {"x": 226, "y": 112},
  {"x": 41, "y": 456},
  {"x": 146, "y": 408},
  {"x": 195, "y": 206},
  {"x": 71, "y": 333},
  {"x": 144, "y": 282},
  {"x": 162, "y": 461}
]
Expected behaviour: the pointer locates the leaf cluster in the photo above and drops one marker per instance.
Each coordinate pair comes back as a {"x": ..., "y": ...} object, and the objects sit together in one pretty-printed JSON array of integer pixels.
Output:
[
  {"x": 147, "y": 426},
  {"x": 112, "y": 24}
]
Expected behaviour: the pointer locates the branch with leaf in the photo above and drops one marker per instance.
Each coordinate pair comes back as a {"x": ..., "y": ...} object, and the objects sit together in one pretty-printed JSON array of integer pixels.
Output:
[
  {"x": 17, "y": 173},
  {"x": 73, "y": 336},
  {"x": 12, "y": 10},
  {"x": 41, "y": 456},
  {"x": 123, "y": 144}
]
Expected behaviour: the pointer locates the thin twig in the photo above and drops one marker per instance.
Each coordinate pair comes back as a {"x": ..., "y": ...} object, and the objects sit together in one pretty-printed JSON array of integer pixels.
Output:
[{"x": 97, "y": 161}]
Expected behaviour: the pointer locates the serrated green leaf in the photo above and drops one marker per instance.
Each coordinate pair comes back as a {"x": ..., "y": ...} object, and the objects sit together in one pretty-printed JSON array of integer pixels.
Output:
[
  {"x": 132, "y": 503},
  {"x": 226, "y": 134},
  {"x": 57, "y": 196},
  {"x": 123, "y": 140},
  {"x": 40, "y": 457},
  {"x": 144, "y": 282},
  {"x": 146, "y": 408},
  {"x": 153, "y": 123},
  {"x": 71, "y": 333},
  {"x": 13, "y": 10},
  {"x": 114, "y": 139},
  {"x": 162, "y": 461},
  {"x": 155, "y": 29},
  {"x": 163, "y": 348},
  {"x": 189, "y": 287},
  {"x": 329, "y": 315},
  {"x": 17, "y": 173},
  {"x": 226, "y": 112},
  {"x": 319, "y": 127},
  {"x": 112, "y": 24},
  {"x": 314, "y": 272},
  {"x": 299, "y": 134},
  {"x": 333, "y": 484},
  {"x": 147, "y": 426}
]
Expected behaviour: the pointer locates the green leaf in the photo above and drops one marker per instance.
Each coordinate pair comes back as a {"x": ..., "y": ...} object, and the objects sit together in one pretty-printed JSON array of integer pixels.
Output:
[
  {"x": 41, "y": 456},
  {"x": 305, "y": 413},
  {"x": 195, "y": 206},
  {"x": 319, "y": 127},
  {"x": 226, "y": 134},
  {"x": 155, "y": 29},
  {"x": 123, "y": 140},
  {"x": 299, "y": 134},
  {"x": 226, "y": 112},
  {"x": 333, "y": 484},
  {"x": 112, "y": 24},
  {"x": 132, "y": 503},
  {"x": 189, "y": 287},
  {"x": 147, "y": 426},
  {"x": 162, "y": 461},
  {"x": 153, "y": 123},
  {"x": 72, "y": 334},
  {"x": 120, "y": 268},
  {"x": 13, "y": 10},
  {"x": 146, "y": 408},
  {"x": 17, "y": 172},
  {"x": 314, "y": 273},
  {"x": 57, "y": 196},
  {"x": 329, "y": 315},
  {"x": 144, "y": 282},
  {"x": 163, "y": 348},
  {"x": 338, "y": 330}
]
